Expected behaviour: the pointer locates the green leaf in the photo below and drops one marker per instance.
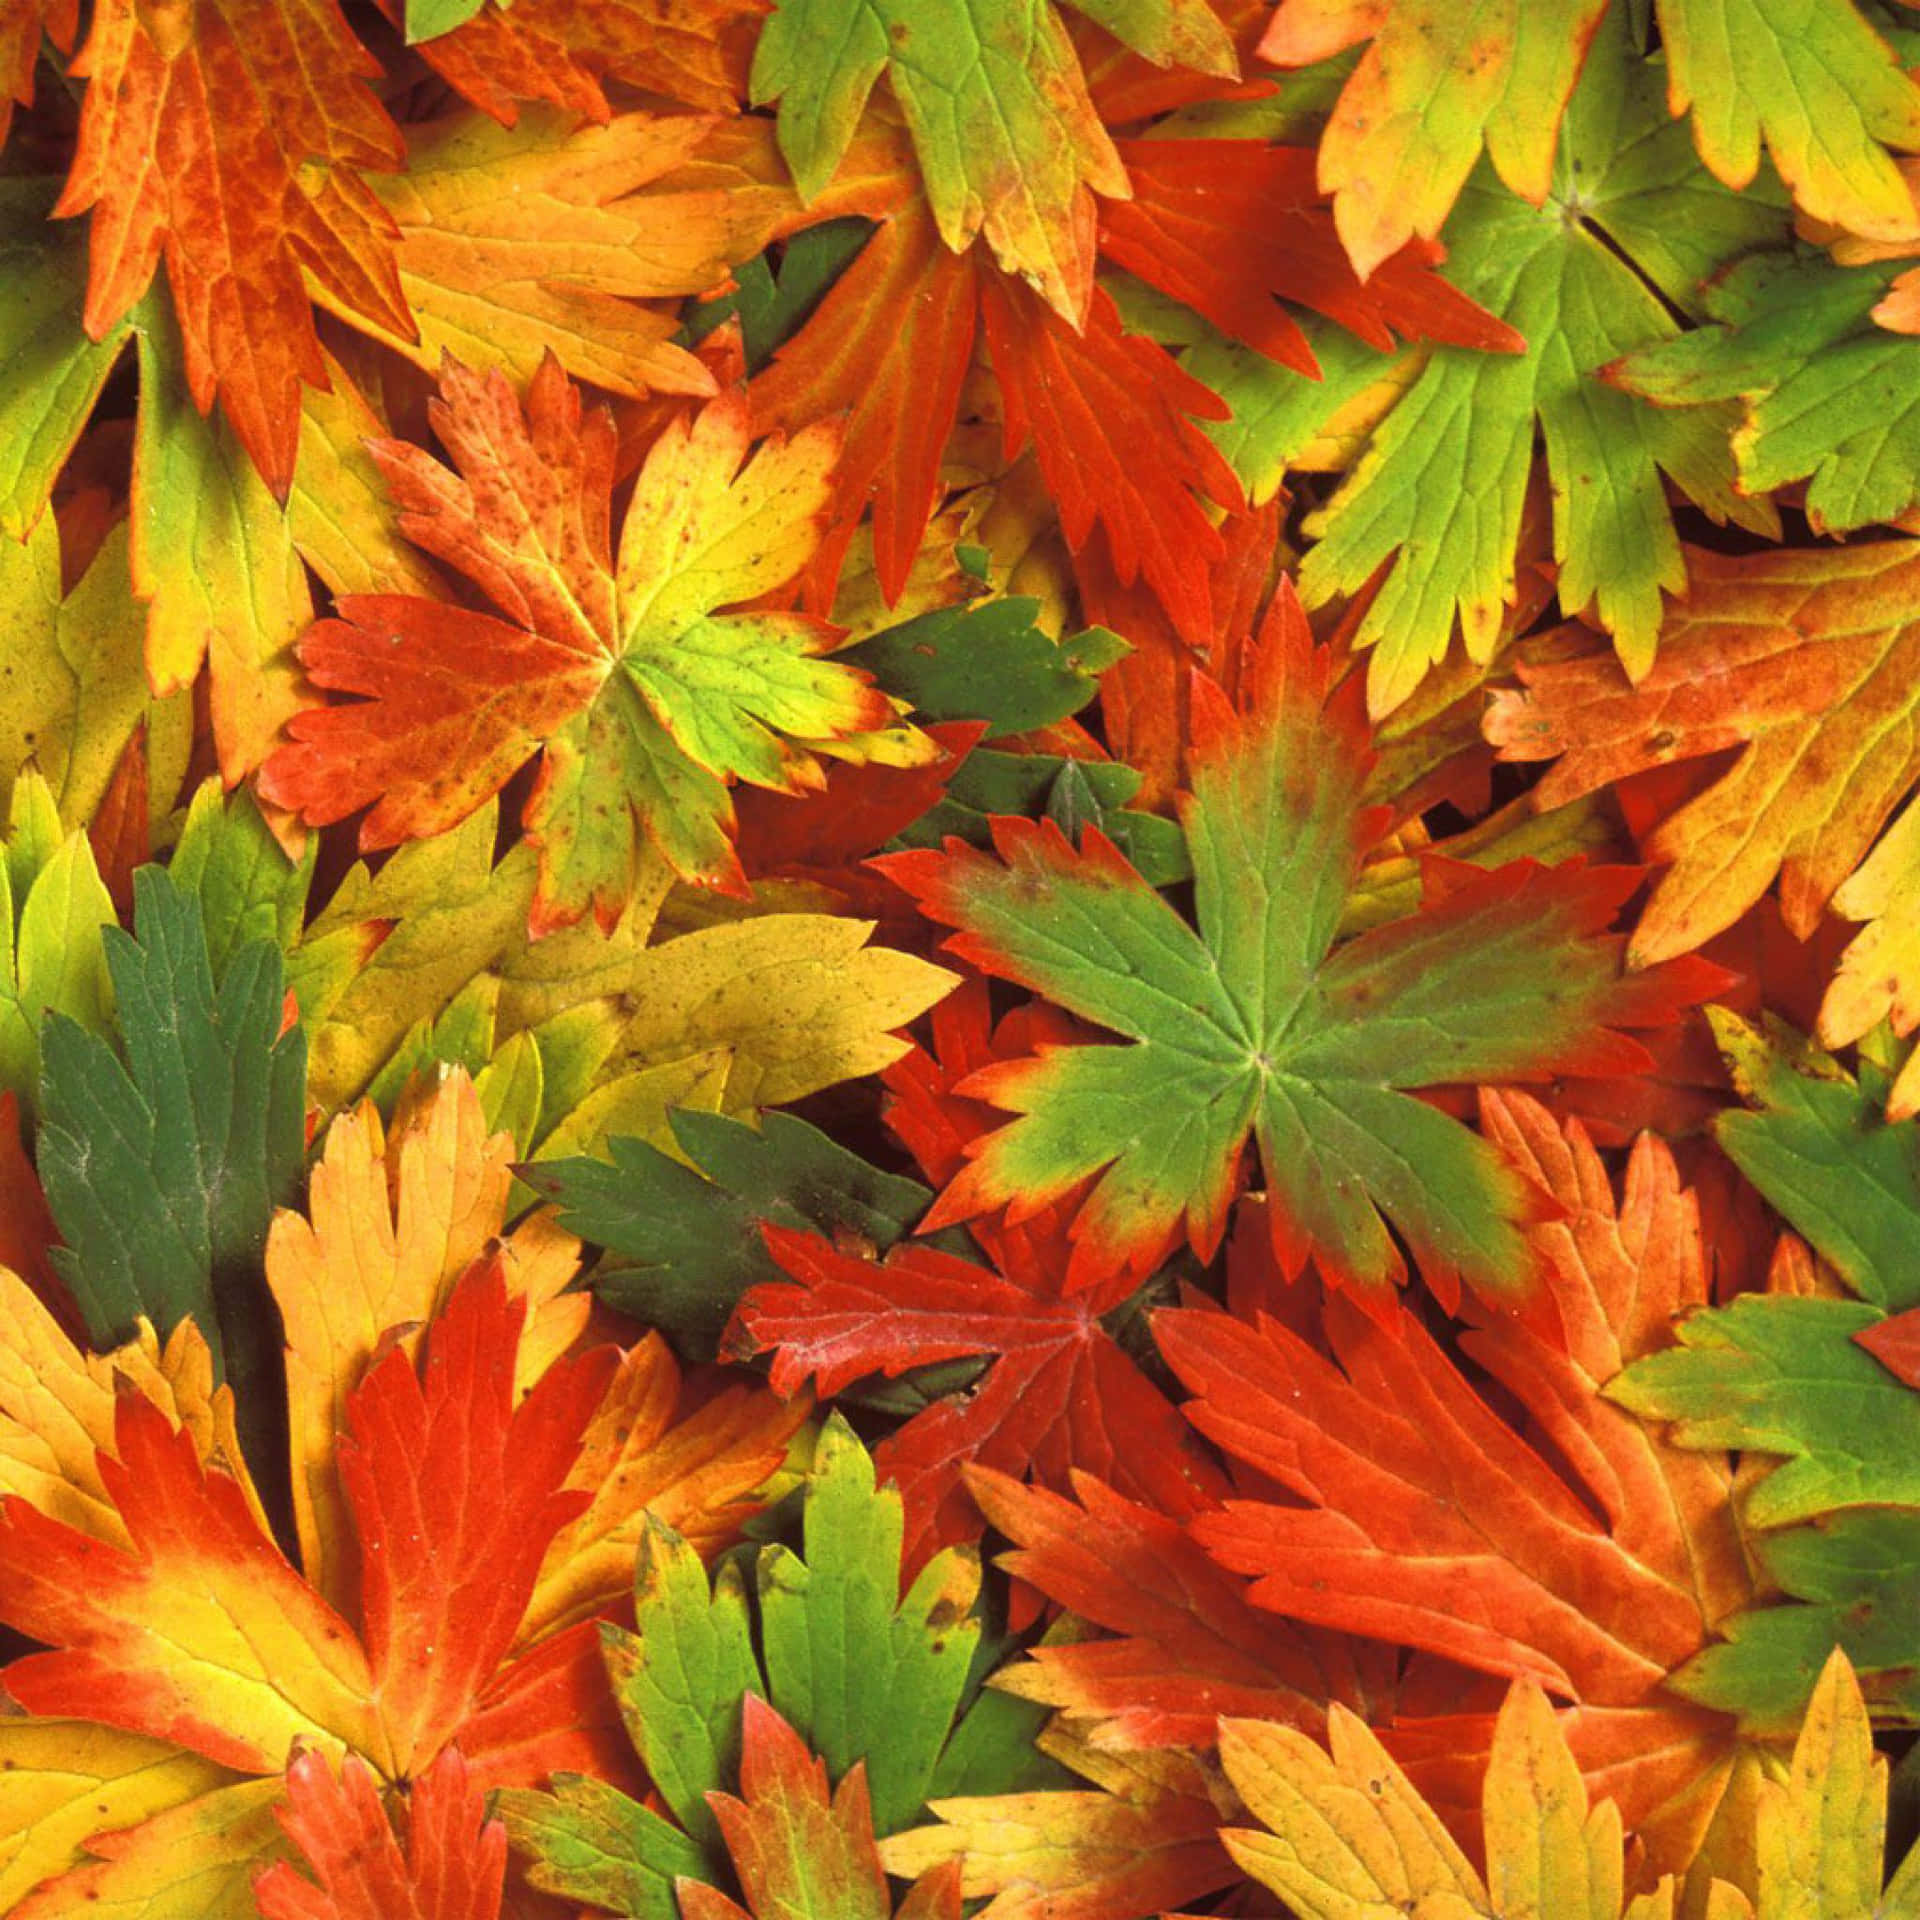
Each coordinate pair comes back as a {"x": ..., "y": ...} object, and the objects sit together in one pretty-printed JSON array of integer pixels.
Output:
[
  {"x": 1784, "y": 1375},
  {"x": 684, "y": 1241},
  {"x": 588, "y": 1841},
  {"x": 428, "y": 19},
  {"x": 1006, "y": 135},
  {"x": 1256, "y": 1023},
  {"x": 1819, "y": 1147},
  {"x": 246, "y": 885},
  {"x": 775, "y": 302},
  {"x": 989, "y": 663},
  {"x": 163, "y": 1169},
  {"x": 1437, "y": 496},
  {"x": 1859, "y": 1574},
  {"x": 857, "y": 1670},
  {"x": 1827, "y": 396},
  {"x": 679, "y": 1679},
  {"x": 51, "y": 373}
]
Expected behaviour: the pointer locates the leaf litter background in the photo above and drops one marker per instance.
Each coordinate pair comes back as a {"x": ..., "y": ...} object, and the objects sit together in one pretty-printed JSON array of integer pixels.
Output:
[{"x": 959, "y": 958}]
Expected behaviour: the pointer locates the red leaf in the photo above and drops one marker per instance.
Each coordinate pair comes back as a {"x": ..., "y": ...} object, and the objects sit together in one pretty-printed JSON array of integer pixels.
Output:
[
  {"x": 1189, "y": 1645},
  {"x": 21, "y": 24},
  {"x": 1895, "y": 1343},
  {"x": 456, "y": 1495},
  {"x": 1226, "y": 225},
  {"x": 229, "y": 136},
  {"x": 1428, "y": 1519},
  {"x": 26, "y": 1224},
  {"x": 453, "y": 1869},
  {"x": 1111, "y": 417},
  {"x": 890, "y": 345}
]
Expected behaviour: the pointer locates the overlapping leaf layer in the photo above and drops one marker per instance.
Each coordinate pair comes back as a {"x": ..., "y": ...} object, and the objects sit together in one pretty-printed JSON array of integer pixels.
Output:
[{"x": 959, "y": 959}]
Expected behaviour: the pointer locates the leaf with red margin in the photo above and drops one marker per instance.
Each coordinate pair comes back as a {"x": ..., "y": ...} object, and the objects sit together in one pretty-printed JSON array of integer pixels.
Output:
[
  {"x": 201, "y": 1634},
  {"x": 1432, "y": 1522},
  {"x": 1258, "y": 1026},
  {"x": 229, "y": 137},
  {"x": 1112, "y": 420},
  {"x": 1189, "y": 1645},
  {"x": 890, "y": 345},
  {"x": 1228, "y": 225},
  {"x": 456, "y": 1494},
  {"x": 644, "y": 702},
  {"x": 453, "y": 1869},
  {"x": 22, "y": 22},
  {"x": 1060, "y": 1394},
  {"x": 800, "y": 1854},
  {"x": 561, "y": 50}
]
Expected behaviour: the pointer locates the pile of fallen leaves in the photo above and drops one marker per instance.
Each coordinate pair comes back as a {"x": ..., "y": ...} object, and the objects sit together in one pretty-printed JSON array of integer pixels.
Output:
[{"x": 959, "y": 957}]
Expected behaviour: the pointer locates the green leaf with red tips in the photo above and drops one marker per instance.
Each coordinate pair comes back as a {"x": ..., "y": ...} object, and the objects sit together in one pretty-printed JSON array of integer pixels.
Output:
[
  {"x": 1255, "y": 1025},
  {"x": 644, "y": 698}
]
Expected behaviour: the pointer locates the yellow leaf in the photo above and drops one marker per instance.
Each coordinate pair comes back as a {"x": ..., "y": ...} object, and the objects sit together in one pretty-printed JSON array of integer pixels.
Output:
[
  {"x": 1821, "y": 1831},
  {"x": 76, "y": 679},
  {"x": 56, "y": 1410},
  {"x": 192, "y": 1862},
  {"x": 797, "y": 1001},
  {"x": 520, "y": 241},
  {"x": 1879, "y": 974},
  {"x": 64, "y": 1780},
  {"x": 344, "y": 524},
  {"x": 1350, "y": 1838}
]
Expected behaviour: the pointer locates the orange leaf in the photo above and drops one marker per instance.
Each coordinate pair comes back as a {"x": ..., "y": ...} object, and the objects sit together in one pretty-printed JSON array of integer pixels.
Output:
[
  {"x": 228, "y": 136},
  {"x": 453, "y": 1869},
  {"x": 456, "y": 1494}
]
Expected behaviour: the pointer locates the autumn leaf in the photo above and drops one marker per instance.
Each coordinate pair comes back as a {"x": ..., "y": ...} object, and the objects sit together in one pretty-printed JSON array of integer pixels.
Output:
[
  {"x": 232, "y": 143},
  {"x": 1009, "y": 142},
  {"x": 1824, "y": 1826},
  {"x": 1187, "y": 1644},
  {"x": 453, "y": 1868},
  {"x": 1395, "y": 1456},
  {"x": 1627, "y": 226},
  {"x": 1797, "y": 658},
  {"x": 643, "y": 703},
  {"x": 1349, "y": 1836},
  {"x": 846, "y": 1677},
  {"x": 1827, "y": 99},
  {"x": 1252, "y": 1027},
  {"x": 1818, "y": 1382}
]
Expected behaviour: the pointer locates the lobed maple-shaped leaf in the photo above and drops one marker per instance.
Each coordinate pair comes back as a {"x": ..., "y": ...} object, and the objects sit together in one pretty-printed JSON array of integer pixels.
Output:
[
  {"x": 1628, "y": 226},
  {"x": 1824, "y": 1384},
  {"x": 229, "y": 137},
  {"x": 644, "y": 702},
  {"x": 1417, "y": 1515},
  {"x": 1008, "y": 139},
  {"x": 1800, "y": 658},
  {"x": 1256, "y": 1024},
  {"x": 1348, "y": 1835},
  {"x": 1437, "y": 83},
  {"x": 453, "y": 1867}
]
